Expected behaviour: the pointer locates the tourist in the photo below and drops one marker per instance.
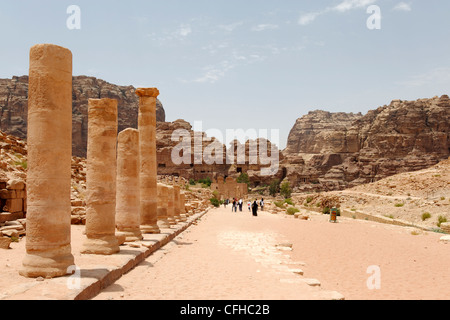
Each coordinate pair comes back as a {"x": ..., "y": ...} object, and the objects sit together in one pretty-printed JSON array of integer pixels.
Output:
[
  {"x": 249, "y": 203},
  {"x": 241, "y": 202},
  {"x": 261, "y": 203},
  {"x": 255, "y": 208}
]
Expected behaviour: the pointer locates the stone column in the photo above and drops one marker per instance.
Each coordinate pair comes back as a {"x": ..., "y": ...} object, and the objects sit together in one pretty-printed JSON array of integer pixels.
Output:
[
  {"x": 48, "y": 246},
  {"x": 101, "y": 178},
  {"x": 176, "y": 200},
  {"x": 163, "y": 191},
  {"x": 183, "y": 205},
  {"x": 148, "y": 167},
  {"x": 170, "y": 206},
  {"x": 128, "y": 217}
]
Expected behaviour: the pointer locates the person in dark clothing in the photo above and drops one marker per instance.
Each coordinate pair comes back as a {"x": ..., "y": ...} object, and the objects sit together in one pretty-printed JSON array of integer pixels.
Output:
[{"x": 255, "y": 208}]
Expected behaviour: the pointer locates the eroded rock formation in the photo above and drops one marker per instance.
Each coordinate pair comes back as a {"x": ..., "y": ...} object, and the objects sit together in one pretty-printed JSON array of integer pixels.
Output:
[
  {"x": 14, "y": 107},
  {"x": 337, "y": 150}
]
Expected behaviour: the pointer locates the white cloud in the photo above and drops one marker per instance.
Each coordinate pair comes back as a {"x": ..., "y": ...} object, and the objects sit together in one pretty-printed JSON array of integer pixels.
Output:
[
  {"x": 347, "y": 5},
  {"x": 403, "y": 6},
  {"x": 263, "y": 27},
  {"x": 433, "y": 77},
  {"x": 212, "y": 74},
  {"x": 184, "y": 30},
  {"x": 171, "y": 37},
  {"x": 342, "y": 7},
  {"x": 308, "y": 18},
  {"x": 231, "y": 27}
]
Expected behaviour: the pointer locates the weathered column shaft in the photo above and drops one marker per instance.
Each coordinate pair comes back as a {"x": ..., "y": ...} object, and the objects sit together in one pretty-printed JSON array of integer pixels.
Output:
[
  {"x": 176, "y": 200},
  {"x": 170, "y": 206},
  {"x": 128, "y": 218},
  {"x": 183, "y": 204},
  {"x": 148, "y": 162},
  {"x": 101, "y": 178},
  {"x": 163, "y": 191},
  {"x": 49, "y": 162}
]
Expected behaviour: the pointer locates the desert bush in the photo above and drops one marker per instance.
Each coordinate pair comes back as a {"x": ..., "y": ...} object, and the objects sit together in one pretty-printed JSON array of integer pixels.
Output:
[
  {"x": 426, "y": 216},
  {"x": 279, "y": 204},
  {"x": 215, "y": 202},
  {"x": 441, "y": 220},
  {"x": 289, "y": 201},
  {"x": 292, "y": 210}
]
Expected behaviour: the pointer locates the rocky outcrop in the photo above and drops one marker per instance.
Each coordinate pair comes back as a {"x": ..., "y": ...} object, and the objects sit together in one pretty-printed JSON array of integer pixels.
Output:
[
  {"x": 170, "y": 135},
  {"x": 14, "y": 107},
  {"x": 213, "y": 159},
  {"x": 338, "y": 150}
]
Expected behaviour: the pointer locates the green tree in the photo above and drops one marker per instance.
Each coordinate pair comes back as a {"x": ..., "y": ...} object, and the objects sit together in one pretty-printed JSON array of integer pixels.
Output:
[
  {"x": 243, "y": 178},
  {"x": 274, "y": 188},
  {"x": 286, "y": 190}
]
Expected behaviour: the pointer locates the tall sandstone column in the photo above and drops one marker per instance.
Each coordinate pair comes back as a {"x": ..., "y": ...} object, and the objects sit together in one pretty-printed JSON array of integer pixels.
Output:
[
  {"x": 176, "y": 200},
  {"x": 128, "y": 218},
  {"x": 183, "y": 205},
  {"x": 48, "y": 247},
  {"x": 148, "y": 167},
  {"x": 163, "y": 222},
  {"x": 170, "y": 206},
  {"x": 101, "y": 178}
]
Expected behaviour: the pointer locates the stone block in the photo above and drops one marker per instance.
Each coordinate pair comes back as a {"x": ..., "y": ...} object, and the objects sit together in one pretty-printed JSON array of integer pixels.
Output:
[
  {"x": 445, "y": 227},
  {"x": 13, "y": 205},
  {"x": 77, "y": 203},
  {"x": 7, "y": 194},
  {"x": 16, "y": 185},
  {"x": 5, "y": 242},
  {"x": 21, "y": 194}
]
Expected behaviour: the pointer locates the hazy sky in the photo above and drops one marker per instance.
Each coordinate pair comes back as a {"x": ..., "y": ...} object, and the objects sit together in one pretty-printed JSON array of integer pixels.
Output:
[{"x": 248, "y": 64}]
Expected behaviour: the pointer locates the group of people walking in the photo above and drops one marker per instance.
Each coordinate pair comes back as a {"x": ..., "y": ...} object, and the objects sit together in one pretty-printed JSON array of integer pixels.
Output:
[{"x": 252, "y": 206}]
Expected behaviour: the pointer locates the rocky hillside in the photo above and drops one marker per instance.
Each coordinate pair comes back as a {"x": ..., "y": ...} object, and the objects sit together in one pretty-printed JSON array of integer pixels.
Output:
[
  {"x": 329, "y": 151},
  {"x": 14, "y": 107},
  {"x": 420, "y": 198}
]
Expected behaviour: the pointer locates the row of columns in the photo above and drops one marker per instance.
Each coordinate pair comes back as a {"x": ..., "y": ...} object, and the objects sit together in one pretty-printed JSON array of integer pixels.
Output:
[{"x": 122, "y": 190}]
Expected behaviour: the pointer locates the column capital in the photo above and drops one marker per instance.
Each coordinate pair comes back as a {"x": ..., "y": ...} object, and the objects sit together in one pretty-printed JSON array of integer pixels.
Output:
[{"x": 147, "y": 92}]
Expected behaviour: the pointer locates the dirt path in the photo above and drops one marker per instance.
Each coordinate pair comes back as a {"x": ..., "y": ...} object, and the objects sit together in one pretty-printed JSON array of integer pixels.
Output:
[{"x": 234, "y": 256}]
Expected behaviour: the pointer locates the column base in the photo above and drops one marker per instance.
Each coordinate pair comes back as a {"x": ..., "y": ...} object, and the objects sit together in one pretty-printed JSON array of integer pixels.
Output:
[
  {"x": 164, "y": 224},
  {"x": 150, "y": 229},
  {"x": 183, "y": 217},
  {"x": 172, "y": 221},
  {"x": 106, "y": 245},
  {"x": 47, "y": 264},
  {"x": 131, "y": 235}
]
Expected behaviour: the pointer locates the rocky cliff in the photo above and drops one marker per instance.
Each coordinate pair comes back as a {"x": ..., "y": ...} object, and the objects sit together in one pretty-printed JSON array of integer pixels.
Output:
[
  {"x": 14, "y": 107},
  {"x": 338, "y": 150}
]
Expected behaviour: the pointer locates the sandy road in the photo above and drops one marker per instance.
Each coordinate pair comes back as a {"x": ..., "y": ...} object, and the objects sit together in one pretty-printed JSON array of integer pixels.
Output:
[
  {"x": 226, "y": 256},
  {"x": 234, "y": 256}
]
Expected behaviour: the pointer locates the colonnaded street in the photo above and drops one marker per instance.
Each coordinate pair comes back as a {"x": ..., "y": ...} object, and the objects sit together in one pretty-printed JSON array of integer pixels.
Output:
[{"x": 235, "y": 256}]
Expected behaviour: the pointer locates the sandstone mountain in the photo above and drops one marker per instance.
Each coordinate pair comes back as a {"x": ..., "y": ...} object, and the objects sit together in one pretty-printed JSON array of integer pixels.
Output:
[
  {"x": 223, "y": 161},
  {"x": 329, "y": 151},
  {"x": 325, "y": 151},
  {"x": 14, "y": 107}
]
